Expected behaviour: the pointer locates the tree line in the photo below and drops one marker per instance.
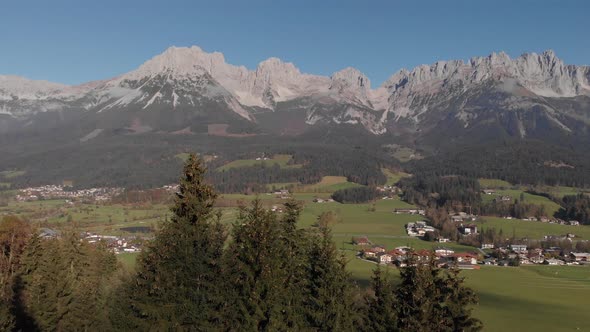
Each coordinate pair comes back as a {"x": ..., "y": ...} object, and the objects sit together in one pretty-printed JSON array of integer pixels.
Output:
[{"x": 263, "y": 274}]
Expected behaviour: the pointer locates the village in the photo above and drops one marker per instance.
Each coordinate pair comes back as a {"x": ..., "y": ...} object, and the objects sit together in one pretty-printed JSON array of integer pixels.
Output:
[
  {"x": 64, "y": 192},
  {"x": 511, "y": 255},
  {"x": 117, "y": 244}
]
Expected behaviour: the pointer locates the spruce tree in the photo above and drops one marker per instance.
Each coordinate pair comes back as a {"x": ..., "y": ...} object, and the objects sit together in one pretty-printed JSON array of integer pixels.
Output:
[
  {"x": 418, "y": 304},
  {"x": 459, "y": 300},
  {"x": 176, "y": 286},
  {"x": 256, "y": 274},
  {"x": 329, "y": 294},
  {"x": 380, "y": 314}
]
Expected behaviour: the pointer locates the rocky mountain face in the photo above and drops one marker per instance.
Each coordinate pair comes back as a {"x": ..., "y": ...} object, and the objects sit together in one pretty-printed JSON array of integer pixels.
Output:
[{"x": 187, "y": 85}]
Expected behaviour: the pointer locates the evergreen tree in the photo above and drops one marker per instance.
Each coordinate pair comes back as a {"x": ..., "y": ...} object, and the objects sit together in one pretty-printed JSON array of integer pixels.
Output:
[
  {"x": 256, "y": 274},
  {"x": 62, "y": 283},
  {"x": 329, "y": 298},
  {"x": 293, "y": 262},
  {"x": 177, "y": 283},
  {"x": 380, "y": 315},
  {"x": 458, "y": 300},
  {"x": 417, "y": 298}
]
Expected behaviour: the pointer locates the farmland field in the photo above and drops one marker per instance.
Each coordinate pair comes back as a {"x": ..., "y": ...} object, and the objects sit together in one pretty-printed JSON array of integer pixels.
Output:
[
  {"x": 494, "y": 183},
  {"x": 280, "y": 159},
  {"x": 549, "y": 292},
  {"x": 550, "y": 206},
  {"x": 532, "y": 229},
  {"x": 328, "y": 184},
  {"x": 552, "y": 291},
  {"x": 393, "y": 177}
]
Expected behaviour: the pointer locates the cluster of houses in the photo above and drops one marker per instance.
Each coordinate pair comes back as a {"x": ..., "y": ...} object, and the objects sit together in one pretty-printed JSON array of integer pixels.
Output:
[
  {"x": 526, "y": 256},
  {"x": 418, "y": 228},
  {"x": 402, "y": 256},
  {"x": 61, "y": 192},
  {"x": 549, "y": 220},
  {"x": 282, "y": 194},
  {"x": 446, "y": 257},
  {"x": 323, "y": 200},
  {"x": 410, "y": 211},
  {"x": 388, "y": 191},
  {"x": 463, "y": 217},
  {"x": 116, "y": 244}
]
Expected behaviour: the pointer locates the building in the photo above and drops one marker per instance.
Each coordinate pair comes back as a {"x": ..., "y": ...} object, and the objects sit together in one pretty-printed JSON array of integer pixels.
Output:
[
  {"x": 384, "y": 258},
  {"x": 465, "y": 258},
  {"x": 468, "y": 229},
  {"x": 518, "y": 248},
  {"x": 361, "y": 241},
  {"x": 444, "y": 252},
  {"x": 580, "y": 256},
  {"x": 553, "y": 261},
  {"x": 487, "y": 246}
]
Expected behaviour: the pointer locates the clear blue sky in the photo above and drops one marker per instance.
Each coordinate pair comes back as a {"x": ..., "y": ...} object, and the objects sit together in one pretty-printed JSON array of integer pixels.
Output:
[{"x": 78, "y": 41}]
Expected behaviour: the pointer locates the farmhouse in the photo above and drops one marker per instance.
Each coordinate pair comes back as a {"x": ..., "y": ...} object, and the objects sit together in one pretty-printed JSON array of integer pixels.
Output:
[
  {"x": 518, "y": 248},
  {"x": 465, "y": 258},
  {"x": 487, "y": 246},
  {"x": 580, "y": 256},
  {"x": 384, "y": 258},
  {"x": 361, "y": 241},
  {"x": 489, "y": 191},
  {"x": 554, "y": 261},
  {"x": 443, "y": 252},
  {"x": 468, "y": 229},
  {"x": 410, "y": 211}
]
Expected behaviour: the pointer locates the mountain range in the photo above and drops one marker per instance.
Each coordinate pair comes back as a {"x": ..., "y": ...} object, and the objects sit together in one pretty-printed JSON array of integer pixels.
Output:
[
  {"x": 187, "y": 92},
  {"x": 200, "y": 83}
]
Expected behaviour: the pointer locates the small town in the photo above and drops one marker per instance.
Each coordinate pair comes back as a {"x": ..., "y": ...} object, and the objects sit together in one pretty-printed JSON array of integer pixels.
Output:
[
  {"x": 511, "y": 255},
  {"x": 63, "y": 192}
]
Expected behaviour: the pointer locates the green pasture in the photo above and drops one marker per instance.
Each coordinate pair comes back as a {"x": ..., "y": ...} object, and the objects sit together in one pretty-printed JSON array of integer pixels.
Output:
[
  {"x": 532, "y": 229},
  {"x": 550, "y": 206},
  {"x": 279, "y": 159},
  {"x": 494, "y": 183}
]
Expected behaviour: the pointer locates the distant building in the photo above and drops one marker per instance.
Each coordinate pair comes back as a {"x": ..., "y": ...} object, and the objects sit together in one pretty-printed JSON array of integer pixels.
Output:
[
  {"x": 580, "y": 256},
  {"x": 518, "y": 248}
]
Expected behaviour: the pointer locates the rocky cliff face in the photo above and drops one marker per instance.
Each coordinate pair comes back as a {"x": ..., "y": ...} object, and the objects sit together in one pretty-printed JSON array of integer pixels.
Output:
[{"x": 193, "y": 80}]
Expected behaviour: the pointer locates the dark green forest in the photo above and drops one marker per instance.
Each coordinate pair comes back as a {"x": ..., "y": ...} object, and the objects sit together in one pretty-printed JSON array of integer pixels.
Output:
[{"x": 262, "y": 274}]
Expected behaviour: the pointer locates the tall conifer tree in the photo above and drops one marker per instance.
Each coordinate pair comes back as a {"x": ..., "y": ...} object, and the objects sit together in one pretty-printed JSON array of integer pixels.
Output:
[{"x": 177, "y": 284}]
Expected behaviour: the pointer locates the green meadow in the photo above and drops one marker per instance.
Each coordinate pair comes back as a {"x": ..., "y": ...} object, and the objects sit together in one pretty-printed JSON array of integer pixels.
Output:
[
  {"x": 531, "y": 298},
  {"x": 550, "y": 206},
  {"x": 279, "y": 159},
  {"x": 532, "y": 229},
  {"x": 494, "y": 183}
]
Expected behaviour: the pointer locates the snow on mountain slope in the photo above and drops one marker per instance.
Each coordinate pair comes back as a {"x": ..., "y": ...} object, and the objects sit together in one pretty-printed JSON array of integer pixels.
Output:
[
  {"x": 190, "y": 78},
  {"x": 543, "y": 75}
]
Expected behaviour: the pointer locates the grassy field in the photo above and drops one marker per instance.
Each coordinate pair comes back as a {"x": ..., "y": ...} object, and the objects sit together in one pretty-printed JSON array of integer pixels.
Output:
[
  {"x": 561, "y": 191},
  {"x": 532, "y": 229},
  {"x": 494, "y": 183},
  {"x": 536, "y": 298},
  {"x": 532, "y": 298},
  {"x": 328, "y": 184},
  {"x": 128, "y": 259},
  {"x": 393, "y": 177},
  {"x": 11, "y": 174},
  {"x": 5, "y": 185},
  {"x": 280, "y": 159},
  {"x": 550, "y": 206}
]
